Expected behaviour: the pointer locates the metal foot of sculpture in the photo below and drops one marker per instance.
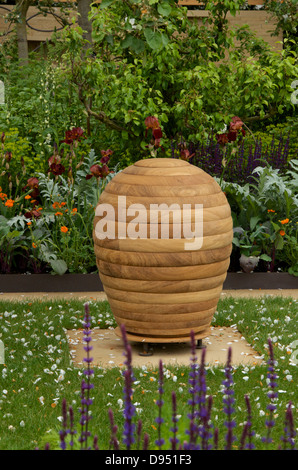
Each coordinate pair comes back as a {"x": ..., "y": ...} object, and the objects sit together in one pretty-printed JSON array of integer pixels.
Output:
[
  {"x": 200, "y": 344},
  {"x": 146, "y": 350}
]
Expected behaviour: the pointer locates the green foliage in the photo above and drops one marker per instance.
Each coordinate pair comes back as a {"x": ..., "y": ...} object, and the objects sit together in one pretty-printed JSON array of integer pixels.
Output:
[
  {"x": 49, "y": 226},
  {"x": 265, "y": 215},
  {"x": 38, "y": 109},
  {"x": 286, "y": 15},
  {"x": 149, "y": 59}
]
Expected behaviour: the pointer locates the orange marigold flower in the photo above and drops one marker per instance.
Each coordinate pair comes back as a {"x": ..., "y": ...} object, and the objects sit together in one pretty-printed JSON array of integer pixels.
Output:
[
  {"x": 285, "y": 221},
  {"x": 62, "y": 204},
  {"x": 3, "y": 196},
  {"x": 74, "y": 210},
  {"x": 9, "y": 203},
  {"x": 64, "y": 229},
  {"x": 29, "y": 223},
  {"x": 28, "y": 196},
  {"x": 34, "y": 245},
  {"x": 58, "y": 213},
  {"x": 270, "y": 210},
  {"x": 282, "y": 232}
]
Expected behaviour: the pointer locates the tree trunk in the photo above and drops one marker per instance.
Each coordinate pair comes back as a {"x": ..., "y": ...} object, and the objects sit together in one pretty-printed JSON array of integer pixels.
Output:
[
  {"x": 21, "y": 9},
  {"x": 84, "y": 23}
]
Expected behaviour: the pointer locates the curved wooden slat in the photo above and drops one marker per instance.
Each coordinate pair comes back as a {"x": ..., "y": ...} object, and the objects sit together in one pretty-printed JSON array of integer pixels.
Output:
[
  {"x": 167, "y": 246},
  {"x": 164, "y": 171},
  {"x": 164, "y": 273},
  {"x": 163, "y": 308},
  {"x": 211, "y": 200},
  {"x": 161, "y": 162},
  {"x": 165, "y": 298},
  {"x": 187, "y": 258},
  {"x": 188, "y": 216},
  {"x": 163, "y": 180},
  {"x": 203, "y": 189},
  {"x": 202, "y": 315},
  {"x": 189, "y": 285},
  {"x": 162, "y": 339},
  {"x": 167, "y": 230},
  {"x": 171, "y": 326},
  {"x": 166, "y": 332}
]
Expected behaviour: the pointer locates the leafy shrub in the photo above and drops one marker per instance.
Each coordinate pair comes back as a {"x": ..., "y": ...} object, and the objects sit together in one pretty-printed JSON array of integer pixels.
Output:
[
  {"x": 265, "y": 215},
  {"x": 46, "y": 220}
]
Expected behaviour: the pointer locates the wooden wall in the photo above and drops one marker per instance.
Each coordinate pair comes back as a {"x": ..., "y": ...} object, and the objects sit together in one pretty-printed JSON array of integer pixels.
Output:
[{"x": 40, "y": 27}]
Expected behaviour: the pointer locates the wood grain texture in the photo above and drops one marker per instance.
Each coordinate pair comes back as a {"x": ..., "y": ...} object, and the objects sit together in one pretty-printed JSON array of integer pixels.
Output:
[
  {"x": 161, "y": 309},
  {"x": 164, "y": 298},
  {"x": 209, "y": 200},
  {"x": 203, "y": 189},
  {"x": 134, "y": 337},
  {"x": 161, "y": 273},
  {"x": 188, "y": 258},
  {"x": 173, "y": 216},
  {"x": 189, "y": 285},
  {"x": 159, "y": 332},
  {"x": 166, "y": 246},
  {"x": 203, "y": 315},
  {"x": 160, "y": 180},
  {"x": 159, "y": 284},
  {"x": 168, "y": 230}
]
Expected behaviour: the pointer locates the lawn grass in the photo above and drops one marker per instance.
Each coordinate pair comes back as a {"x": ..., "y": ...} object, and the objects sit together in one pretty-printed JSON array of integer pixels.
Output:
[{"x": 38, "y": 373}]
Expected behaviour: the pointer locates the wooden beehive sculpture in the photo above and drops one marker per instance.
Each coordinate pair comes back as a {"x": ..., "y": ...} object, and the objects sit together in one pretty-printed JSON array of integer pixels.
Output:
[{"x": 161, "y": 283}]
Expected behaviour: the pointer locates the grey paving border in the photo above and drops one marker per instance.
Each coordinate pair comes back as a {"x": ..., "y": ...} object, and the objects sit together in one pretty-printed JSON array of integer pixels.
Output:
[{"x": 92, "y": 283}]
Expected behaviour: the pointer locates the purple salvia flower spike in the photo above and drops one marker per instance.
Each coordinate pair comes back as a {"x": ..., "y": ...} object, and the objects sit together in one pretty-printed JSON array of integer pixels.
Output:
[
  {"x": 159, "y": 420},
  {"x": 228, "y": 402},
  {"x": 129, "y": 409},
  {"x": 272, "y": 395}
]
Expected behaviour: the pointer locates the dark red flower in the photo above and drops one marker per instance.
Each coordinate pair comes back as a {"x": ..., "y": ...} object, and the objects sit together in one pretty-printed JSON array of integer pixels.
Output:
[
  {"x": 95, "y": 171},
  {"x": 54, "y": 159},
  {"x": 185, "y": 154},
  {"x": 236, "y": 124},
  {"x": 98, "y": 171},
  {"x": 106, "y": 155},
  {"x": 232, "y": 136},
  {"x": 222, "y": 139},
  {"x": 33, "y": 214},
  {"x": 104, "y": 170},
  {"x": 151, "y": 122},
  {"x": 32, "y": 183},
  {"x": 157, "y": 135},
  {"x": 56, "y": 169},
  {"x": 76, "y": 133}
]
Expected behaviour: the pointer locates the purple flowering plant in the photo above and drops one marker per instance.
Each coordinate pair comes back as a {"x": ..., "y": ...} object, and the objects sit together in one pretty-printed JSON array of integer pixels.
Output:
[{"x": 200, "y": 434}]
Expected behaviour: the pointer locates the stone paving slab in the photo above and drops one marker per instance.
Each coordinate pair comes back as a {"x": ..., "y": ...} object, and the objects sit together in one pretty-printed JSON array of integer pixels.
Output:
[{"x": 108, "y": 349}]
